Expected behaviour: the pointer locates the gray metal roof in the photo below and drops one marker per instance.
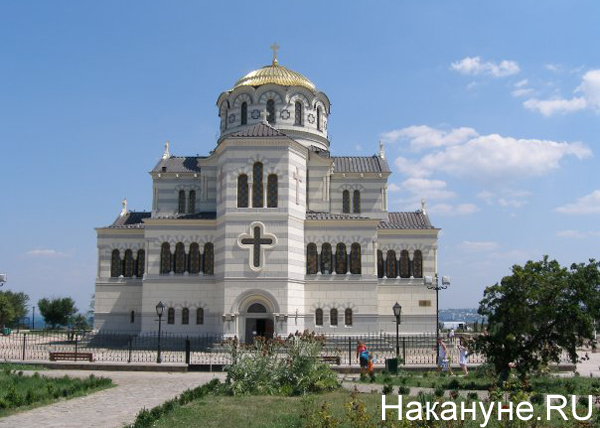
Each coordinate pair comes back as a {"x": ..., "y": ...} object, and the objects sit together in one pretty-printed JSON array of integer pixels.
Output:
[
  {"x": 131, "y": 220},
  {"x": 360, "y": 164},
  {"x": 406, "y": 220},
  {"x": 259, "y": 130},
  {"x": 195, "y": 216},
  {"x": 315, "y": 215},
  {"x": 178, "y": 164}
]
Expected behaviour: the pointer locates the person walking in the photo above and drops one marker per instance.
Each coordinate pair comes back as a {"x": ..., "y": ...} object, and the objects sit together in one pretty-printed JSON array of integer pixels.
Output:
[
  {"x": 442, "y": 362},
  {"x": 463, "y": 355},
  {"x": 362, "y": 354}
]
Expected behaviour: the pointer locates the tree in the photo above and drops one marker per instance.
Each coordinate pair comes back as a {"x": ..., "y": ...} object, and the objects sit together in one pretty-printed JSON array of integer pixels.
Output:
[
  {"x": 7, "y": 312},
  {"x": 538, "y": 312},
  {"x": 20, "y": 305},
  {"x": 80, "y": 323},
  {"x": 57, "y": 311}
]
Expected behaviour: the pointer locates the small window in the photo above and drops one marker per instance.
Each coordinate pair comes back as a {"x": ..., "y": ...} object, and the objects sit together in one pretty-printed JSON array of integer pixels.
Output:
[
  {"x": 326, "y": 259},
  {"x": 115, "y": 264},
  {"x": 180, "y": 258},
  {"x": 165, "y": 258},
  {"x": 333, "y": 317},
  {"x": 271, "y": 111},
  {"x": 185, "y": 316},
  {"x": 164, "y": 169},
  {"x": 298, "y": 113},
  {"x": 209, "y": 259},
  {"x": 319, "y": 317},
  {"x": 242, "y": 201},
  {"x": 380, "y": 264},
  {"x": 341, "y": 259},
  {"x": 181, "y": 206},
  {"x": 257, "y": 186},
  {"x": 128, "y": 264},
  {"x": 346, "y": 201},
  {"x": 348, "y": 317},
  {"x": 319, "y": 119},
  {"x": 311, "y": 259},
  {"x": 404, "y": 264},
  {"x": 141, "y": 263},
  {"x": 171, "y": 316},
  {"x": 272, "y": 191},
  {"x": 356, "y": 201},
  {"x": 244, "y": 113},
  {"x": 132, "y": 317},
  {"x": 418, "y": 264},
  {"x": 194, "y": 258},
  {"x": 355, "y": 259},
  {"x": 391, "y": 270},
  {"x": 199, "y": 316},
  {"x": 192, "y": 202}
]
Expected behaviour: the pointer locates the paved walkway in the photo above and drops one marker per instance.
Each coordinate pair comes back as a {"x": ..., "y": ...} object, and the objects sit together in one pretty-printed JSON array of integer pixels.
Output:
[
  {"x": 110, "y": 408},
  {"x": 590, "y": 367}
]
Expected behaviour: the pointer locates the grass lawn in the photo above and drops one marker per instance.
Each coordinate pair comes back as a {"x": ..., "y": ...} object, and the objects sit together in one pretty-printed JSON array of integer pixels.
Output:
[
  {"x": 19, "y": 391},
  {"x": 286, "y": 412},
  {"x": 474, "y": 381}
]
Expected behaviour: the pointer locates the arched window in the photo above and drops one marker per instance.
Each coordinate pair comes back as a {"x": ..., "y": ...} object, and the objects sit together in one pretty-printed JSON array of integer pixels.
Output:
[
  {"x": 194, "y": 258},
  {"x": 326, "y": 256},
  {"x": 192, "y": 202},
  {"x": 209, "y": 258},
  {"x": 346, "y": 201},
  {"x": 379, "y": 264},
  {"x": 418, "y": 264},
  {"x": 319, "y": 317},
  {"x": 348, "y": 317},
  {"x": 311, "y": 259},
  {"x": 256, "y": 308},
  {"x": 165, "y": 258},
  {"x": 132, "y": 317},
  {"x": 199, "y": 316},
  {"x": 272, "y": 191},
  {"x": 356, "y": 201},
  {"x": 242, "y": 195},
  {"x": 115, "y": 264},
  {"x": 341, "y": 259},
  {"x": 244, "y": 112},
  {"x": 271, "y": 111},
  {"x": 355, "y": 261},
  {"x": 391, "y": 270},
  {"x": 185, "y": 316},
  {"x": 319, "y": 119},
  {"x": 140, "y": 263},
  {"x": 298, "y": 113},
  {"x": 171, "y": 316},
  {"x": 333, "y": 317},
  {"x": 257, "y": 185},
  {"x": 181, "y": 206},
  {"x": 179, "y": 258},
  {"x": 404, "y": 264},
  {"x": 128, "y": 264}
]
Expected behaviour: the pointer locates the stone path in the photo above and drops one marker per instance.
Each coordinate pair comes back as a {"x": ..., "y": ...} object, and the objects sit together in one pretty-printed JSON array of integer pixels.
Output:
[
  {"x": 590, "y": 367},
  {"x": 110, "y": 408}
]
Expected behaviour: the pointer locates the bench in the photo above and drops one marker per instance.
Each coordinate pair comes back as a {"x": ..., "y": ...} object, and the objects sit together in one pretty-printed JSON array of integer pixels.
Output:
[
  {"x": 71, "y": 356},
  {"x": 331, "y": 359}
]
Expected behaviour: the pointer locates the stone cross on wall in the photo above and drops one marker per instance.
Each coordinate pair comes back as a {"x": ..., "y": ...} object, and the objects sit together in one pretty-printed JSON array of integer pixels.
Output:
[
  {"x": 298, "y": 179},
  {"x": 256, "y": 242}
]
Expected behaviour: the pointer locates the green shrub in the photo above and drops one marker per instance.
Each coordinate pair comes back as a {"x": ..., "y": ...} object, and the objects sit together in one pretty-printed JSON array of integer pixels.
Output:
[
  {"x": 277, "y": 366},
  {"x": 472, "y": 396},
  {"x": 438, "y": 391},
  {"x": 388, "y": 388},
  {"x": 403, "y": 390}
]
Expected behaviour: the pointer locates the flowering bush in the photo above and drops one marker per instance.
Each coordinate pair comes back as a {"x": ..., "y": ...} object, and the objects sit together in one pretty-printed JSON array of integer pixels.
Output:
[{"x": 279, "y": 366}]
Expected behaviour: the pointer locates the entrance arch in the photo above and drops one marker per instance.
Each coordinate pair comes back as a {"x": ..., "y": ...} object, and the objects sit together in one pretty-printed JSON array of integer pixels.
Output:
[{"x": 256, "y": 310}]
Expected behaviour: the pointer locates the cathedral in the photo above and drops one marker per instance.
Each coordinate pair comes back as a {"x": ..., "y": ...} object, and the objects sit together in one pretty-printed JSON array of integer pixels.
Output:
[{"x": 269, "y": 233}]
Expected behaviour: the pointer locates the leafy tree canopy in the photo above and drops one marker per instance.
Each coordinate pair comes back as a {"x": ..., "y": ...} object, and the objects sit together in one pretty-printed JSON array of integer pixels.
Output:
[
  {"x": 19, "y": 303},
  {"x": 57, "y": 311},
  {"x": 7, "y": 312},
  {"x": 538, "y": 312}
]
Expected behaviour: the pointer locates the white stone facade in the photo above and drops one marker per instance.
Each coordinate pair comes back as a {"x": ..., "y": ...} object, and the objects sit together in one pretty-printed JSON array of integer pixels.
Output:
[{"x": 214, "y": 278}]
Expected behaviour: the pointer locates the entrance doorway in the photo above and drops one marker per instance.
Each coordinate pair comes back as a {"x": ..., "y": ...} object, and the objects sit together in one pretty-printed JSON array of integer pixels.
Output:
[{"x": 258, "y": 323}]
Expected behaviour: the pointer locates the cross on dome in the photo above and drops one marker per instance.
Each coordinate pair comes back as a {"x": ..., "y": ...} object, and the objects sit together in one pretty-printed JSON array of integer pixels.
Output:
[{"x": 275, "y": 47}]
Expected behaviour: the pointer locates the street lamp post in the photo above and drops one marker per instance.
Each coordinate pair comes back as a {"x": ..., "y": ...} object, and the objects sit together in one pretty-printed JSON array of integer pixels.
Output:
[
  {"x": 432, "y": 283},
  {"x": 397, "y": 313},
  {"x": 159, "y": 311},
  {"x": 33, "y": 318}
]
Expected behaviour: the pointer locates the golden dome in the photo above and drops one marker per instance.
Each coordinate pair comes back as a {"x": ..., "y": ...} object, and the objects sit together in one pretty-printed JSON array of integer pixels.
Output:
[{"x": 276, "y": 74}]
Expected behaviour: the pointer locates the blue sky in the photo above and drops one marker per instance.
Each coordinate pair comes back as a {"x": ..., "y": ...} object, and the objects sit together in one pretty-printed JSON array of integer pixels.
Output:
[{"x": 490, "y": 110}]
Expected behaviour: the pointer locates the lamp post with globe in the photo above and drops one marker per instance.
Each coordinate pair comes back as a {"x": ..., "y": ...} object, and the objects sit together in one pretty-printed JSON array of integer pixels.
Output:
[{"x": 432, "y": 283}]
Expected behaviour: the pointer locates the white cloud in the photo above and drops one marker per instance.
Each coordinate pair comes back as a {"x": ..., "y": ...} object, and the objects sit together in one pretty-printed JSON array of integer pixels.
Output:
[
  {"x": 552, "y": 67},
  {"x": 430, "y": 189},
  {"x": 521, "y": 92},
  {"x": 358, "y": 147},
  {"x": 424, "y": 137},
  {"x": 589, "y": 98},
  {"x": 473, "y": 66},
  {"x": 589, "y": 204},
  {"x": 555, "y": 105},
  {"x": 453, "y": 210},
  {"x": 522, "y": 83},
  {"x": 478, "y": 246},
  {"x": 494, "y": 156},
  {"x": 571, "y": 234},
  {"x": 392, "y": 187},
  {"x": 45, "y": 253}
]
